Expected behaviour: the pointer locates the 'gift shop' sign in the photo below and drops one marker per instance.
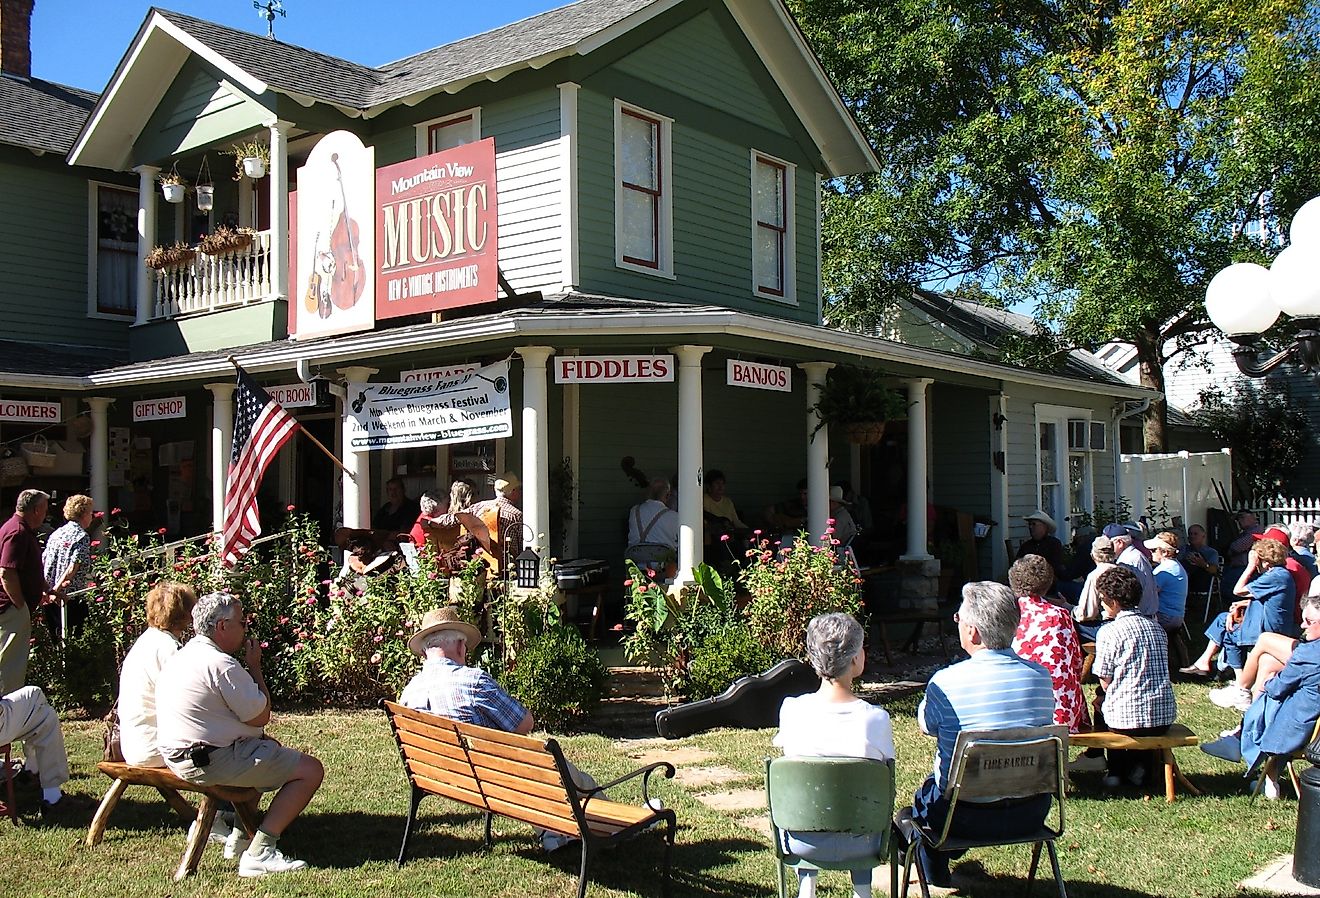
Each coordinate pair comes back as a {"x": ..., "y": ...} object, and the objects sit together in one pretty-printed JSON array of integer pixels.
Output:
[
  {"x": 160, "y": 409},
  {"x": 614, "y": 369}
]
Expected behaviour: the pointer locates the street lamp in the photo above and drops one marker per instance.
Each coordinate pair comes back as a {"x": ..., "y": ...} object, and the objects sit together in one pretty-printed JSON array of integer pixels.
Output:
[{"x": 1244, "y": 300}]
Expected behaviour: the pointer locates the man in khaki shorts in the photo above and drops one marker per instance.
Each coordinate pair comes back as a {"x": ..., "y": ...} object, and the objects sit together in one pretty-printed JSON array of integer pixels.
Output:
[{"x": 210, "y": 714}]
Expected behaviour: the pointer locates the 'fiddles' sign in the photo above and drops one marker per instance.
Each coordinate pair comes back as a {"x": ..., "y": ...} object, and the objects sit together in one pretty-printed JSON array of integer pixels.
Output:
[{"x": 436, "y": 232}]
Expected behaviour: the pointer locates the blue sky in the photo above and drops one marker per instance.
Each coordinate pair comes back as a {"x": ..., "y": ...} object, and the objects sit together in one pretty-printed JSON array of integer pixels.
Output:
[{"x": 79, "y": 42}]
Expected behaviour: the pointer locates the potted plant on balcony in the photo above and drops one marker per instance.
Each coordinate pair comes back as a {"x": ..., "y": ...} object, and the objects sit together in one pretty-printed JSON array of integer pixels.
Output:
[
  {"x": 225, "y": 239},
  {"x": 857, "y": 400},
  {"x": 173, "y": 256},
  {"x": 251, "y": 158},
  {"x": 173, "y": 186}
]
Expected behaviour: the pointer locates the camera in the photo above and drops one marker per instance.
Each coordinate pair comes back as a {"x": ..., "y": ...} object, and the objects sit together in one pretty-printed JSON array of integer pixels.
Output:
[{"x": 200, "y": 755}]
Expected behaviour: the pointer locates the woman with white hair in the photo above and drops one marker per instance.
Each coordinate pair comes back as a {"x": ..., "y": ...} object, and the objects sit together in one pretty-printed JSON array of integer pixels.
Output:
[
  {"x": 1302, "y": 536},
  {"x": 430, "y": 528},
  {"x": 832, "y": 722}
]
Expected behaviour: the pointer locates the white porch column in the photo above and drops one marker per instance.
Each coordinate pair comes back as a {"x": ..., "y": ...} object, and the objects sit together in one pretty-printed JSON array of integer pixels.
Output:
[
  {"x": 279, "y": 209},
  {"x": 100, "y": 464},
  {"x": 356, "y": 489},
  {"x": 222, "y": 440},
  {"x": 689, "y": 458},
  {"x": 916, "y": 470},
  {"x": 535, "y": 448},
  {"x": 818, "y": 453},
  {"x": 146, "y": 238}
]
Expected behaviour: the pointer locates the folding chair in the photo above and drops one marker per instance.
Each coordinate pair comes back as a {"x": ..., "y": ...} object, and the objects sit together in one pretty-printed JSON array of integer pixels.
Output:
[
  {"x": 830, "y": 795},
  {"x": 989, "y": 766},
  {"x": 1212, "y": 599},
  {"x": 1271, "y": 762}
]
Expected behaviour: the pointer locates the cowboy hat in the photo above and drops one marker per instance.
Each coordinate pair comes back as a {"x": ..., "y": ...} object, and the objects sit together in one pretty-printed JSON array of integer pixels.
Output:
[
  {"x": 1045, "y": 519},
  {"x": 438, "y": 619},
  {"x": 506, "y": 481}
]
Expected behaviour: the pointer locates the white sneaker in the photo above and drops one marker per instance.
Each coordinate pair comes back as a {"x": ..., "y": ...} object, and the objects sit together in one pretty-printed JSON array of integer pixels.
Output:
[
  {"x": 554, "y": 841},
  {"x": 236, "y": 843},
  {"x": 220, "y": 831},
  {"x": 273, "y": 861},
  {"x": 1231, "y": 696},
  {"x": 1085, "y": 763}
]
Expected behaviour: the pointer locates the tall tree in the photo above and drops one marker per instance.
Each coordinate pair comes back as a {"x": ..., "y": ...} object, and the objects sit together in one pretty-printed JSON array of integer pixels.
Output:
[{"x": 1101, "y": 159}]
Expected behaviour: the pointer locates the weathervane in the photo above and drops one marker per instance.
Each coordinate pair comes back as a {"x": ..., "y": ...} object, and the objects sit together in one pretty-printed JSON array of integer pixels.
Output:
[{"x": 268, "y": 11}]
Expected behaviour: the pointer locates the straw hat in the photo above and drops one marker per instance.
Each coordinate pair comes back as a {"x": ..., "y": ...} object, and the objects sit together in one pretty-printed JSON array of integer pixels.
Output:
[
  {"x": 506, "y": 481},
  {"x": 438, "y": 619}
]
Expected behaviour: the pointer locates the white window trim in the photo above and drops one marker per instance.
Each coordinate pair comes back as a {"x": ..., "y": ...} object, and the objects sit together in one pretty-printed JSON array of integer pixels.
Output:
[
  {"x": 789, "y": 295},
  {"x": 424, "y": 128},
  {"x": 93, "y": 187},
  {"x": 1058, "y": 415},
  {"x": 665, "y": 230}
]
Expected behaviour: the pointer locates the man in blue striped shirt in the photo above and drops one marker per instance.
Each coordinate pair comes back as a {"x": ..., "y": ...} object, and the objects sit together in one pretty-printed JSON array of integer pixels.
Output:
[{"x": 993, "y": 689}]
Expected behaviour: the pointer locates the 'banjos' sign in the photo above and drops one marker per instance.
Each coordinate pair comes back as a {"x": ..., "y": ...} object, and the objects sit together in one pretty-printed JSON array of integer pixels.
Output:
[{"x": 435, "y": 230}]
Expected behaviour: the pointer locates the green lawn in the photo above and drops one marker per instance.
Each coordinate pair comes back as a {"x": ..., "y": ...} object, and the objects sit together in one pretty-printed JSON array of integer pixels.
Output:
[{"x": 1114, "y": 846}]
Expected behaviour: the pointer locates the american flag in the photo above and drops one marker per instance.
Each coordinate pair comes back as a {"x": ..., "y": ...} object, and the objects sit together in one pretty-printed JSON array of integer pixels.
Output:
[{"x": 261, "y": 428}]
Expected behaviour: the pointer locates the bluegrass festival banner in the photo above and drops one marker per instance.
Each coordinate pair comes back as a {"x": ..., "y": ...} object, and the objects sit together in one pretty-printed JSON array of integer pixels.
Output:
[{"x": 459, "y": 409}]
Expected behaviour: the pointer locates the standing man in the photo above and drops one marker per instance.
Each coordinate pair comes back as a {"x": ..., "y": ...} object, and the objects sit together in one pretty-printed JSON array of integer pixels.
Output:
[
  {"x": 22, "y": 584},
  {"x": 993, "y": 689},
  {"x": 210, "y": 715},
  {"x": 1130, "y": 556},
  {"x": 502, "y": 516}
]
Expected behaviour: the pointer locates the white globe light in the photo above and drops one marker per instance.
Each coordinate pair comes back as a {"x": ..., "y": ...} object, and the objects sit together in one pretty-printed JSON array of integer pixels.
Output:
[
  {"x": 1238, "y": 300},
  {"x": 1295, "y": 281},
  {"x": 1305, "y": 227}
]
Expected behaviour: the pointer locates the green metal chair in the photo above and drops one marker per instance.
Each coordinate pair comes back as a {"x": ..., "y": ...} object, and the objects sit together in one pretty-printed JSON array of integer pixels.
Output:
[
  {"x": 835, "y": 795},
  {"x": 989, "y": 766}
]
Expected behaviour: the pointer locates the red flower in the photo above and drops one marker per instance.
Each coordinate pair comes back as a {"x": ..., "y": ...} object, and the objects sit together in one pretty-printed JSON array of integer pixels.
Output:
[
  {"x": 116, "y": 511},
  {"x": 290, "y": 507},
  {"x": 161, "y": 531}
]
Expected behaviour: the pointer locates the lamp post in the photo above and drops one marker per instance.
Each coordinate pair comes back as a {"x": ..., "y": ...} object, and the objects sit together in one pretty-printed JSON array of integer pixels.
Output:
[{"x": 1245, "y": 300}]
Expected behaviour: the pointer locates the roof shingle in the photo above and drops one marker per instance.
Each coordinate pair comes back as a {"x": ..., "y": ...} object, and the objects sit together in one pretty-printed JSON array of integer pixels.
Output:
[{"x": 42, "y": 115}]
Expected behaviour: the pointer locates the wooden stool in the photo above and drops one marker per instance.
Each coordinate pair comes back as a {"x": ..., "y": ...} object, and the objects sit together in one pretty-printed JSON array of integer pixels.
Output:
[
  {"x": 1088, "y": 659},
  {"x": 1178, "y": 736},
  {"x": 169, "y": 786},
  {"x": 8, "y": 807}
]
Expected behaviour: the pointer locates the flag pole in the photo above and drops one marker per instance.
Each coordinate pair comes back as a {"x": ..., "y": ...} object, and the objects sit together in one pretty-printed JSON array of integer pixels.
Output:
[{"x": 319, "y": 445}]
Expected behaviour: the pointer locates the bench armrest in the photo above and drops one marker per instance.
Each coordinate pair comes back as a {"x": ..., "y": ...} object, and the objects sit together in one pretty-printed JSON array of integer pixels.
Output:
[{"x": 644, "y": 772}]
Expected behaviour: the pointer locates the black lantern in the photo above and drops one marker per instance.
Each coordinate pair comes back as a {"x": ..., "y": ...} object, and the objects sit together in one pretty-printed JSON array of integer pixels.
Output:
[
  {"x": 322, "y": 398},
  {"x": 528, "y": 568}
]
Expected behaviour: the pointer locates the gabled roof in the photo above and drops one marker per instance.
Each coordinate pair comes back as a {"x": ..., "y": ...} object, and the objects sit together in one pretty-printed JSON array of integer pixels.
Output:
[
  {"x": 987, "y": 326},
  {"x": 259, "y": 65},
  {"x": 41, "y": 115}
]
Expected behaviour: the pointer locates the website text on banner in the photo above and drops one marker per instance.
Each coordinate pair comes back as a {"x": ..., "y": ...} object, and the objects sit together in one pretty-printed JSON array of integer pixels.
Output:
[{"x": 459, "y": 409}]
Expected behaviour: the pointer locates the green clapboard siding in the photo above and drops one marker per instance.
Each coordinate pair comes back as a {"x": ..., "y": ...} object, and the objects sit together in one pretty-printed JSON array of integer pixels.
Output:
[
  {"x": 696, "y": 60},
  {"x": 44, "y": 213},
  {"x": 197, "y": 111},
  {"x": 711, "y": 182}
]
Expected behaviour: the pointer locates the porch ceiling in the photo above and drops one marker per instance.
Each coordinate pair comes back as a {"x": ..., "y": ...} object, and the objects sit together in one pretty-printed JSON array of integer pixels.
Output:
[{"x": 584, "y": 321}]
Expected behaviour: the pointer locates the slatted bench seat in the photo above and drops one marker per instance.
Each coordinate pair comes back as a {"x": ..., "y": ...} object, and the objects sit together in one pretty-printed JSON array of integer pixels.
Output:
[
  {"x": 521, "y": 778},
  {"x": 169, "y": 786},
  {"x": 1178, "y": 736}
]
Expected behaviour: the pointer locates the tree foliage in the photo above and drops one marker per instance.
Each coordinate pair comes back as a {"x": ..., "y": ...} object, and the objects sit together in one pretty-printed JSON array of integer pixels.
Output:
[
  {"x": 1269, "y": 435},
  {"x": 1101, "y": 159}
]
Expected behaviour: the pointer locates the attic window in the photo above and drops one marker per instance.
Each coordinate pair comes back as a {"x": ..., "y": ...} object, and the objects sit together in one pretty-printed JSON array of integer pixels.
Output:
[
  {"x": 448, "y": 132},
  {"x": 643, "y": 230}
]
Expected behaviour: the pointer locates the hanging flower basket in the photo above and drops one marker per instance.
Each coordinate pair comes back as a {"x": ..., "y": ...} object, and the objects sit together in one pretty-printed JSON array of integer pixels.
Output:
[
  {"x": 173, "y": 191},
  {"x": 866, "y": 433},
  {"x": 205, "y": 197},
  {"x": 254, "y": 167},
  {"x": 225, "y": 239}
]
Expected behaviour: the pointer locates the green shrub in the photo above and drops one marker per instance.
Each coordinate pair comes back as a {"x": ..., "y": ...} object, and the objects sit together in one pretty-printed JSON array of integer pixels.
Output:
[
  {"x": 558, "y": 677},
  {"x": 723, "y": 657}
]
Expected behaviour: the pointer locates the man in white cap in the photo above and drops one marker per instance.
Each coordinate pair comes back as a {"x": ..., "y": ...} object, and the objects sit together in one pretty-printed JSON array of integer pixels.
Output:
[
  {"x": 1128, "y": 555},
  {"x": 502, "y": 516},
  {"x": 1042, "y": 541},
  {"x": 447, "y": 686}
]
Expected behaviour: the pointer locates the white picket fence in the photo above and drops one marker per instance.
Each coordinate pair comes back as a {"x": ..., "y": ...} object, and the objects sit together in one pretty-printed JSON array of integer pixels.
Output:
[{"x": 1284, "y": 510}]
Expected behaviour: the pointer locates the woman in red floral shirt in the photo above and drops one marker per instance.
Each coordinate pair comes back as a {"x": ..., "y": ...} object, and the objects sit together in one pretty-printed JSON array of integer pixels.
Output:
[{"x": 1046, "y": 635}]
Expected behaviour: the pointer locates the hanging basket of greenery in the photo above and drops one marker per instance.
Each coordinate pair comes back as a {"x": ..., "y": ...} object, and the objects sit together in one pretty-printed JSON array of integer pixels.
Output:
[
  {"x": 251, "y": 159},
  {"x": 225, "y": 239},
  {"x": 161, "y": 257},
  {"x": 857, "y": 400}
]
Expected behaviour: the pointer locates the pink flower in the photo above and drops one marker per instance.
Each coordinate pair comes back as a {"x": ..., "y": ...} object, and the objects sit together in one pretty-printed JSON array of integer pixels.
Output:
[
  {"x": 284, "y": 620},
  {"x": 724, "y": 538},
  {"x": 265, "y": 644},
  {"x": 377, "y": 638},
  {"x": 432, "y": 576},
  {"x": 756, "y": 532},
  {"x": 161, "y": 531},
  {"x": 95, "y": 543},
  {"x": 290, "y": 507},
  {"x": 297, "y": 646},
  {"x": 311, "y": 600},
  {"x": 627, "y": 582},
  {"x": 375, "y": 659},
  {"x": 325, "y": 582},
  {"x": 116, "y": 511}
]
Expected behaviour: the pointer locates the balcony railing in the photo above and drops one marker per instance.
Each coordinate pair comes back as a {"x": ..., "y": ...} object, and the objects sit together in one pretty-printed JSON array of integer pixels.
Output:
[{"x": 210, "y": 283}]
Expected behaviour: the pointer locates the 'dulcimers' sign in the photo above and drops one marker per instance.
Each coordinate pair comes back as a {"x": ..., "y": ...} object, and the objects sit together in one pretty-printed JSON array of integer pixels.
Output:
[{"x": 29, "y": 411}]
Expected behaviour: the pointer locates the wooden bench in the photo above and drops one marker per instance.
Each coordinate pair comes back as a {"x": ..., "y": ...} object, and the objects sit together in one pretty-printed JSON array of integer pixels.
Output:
[
  {"x": 169, "y": 786},
  {"x": 1178, "y": 736},
  {"x": 521, "y": 778}
]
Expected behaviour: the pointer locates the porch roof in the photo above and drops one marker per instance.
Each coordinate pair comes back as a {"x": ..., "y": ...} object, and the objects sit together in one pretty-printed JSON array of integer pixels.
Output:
[
  {"x": 577, "y": 319},
  {"x": 41, "y": 115},
  {"x": 259, "y": 64}
]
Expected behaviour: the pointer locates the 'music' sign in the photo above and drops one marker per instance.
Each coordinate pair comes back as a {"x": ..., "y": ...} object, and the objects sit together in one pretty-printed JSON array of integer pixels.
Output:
[{"x": 435, "y": 231}]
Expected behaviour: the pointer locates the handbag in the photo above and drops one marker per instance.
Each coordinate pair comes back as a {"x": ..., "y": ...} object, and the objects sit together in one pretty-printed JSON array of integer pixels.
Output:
[{"x": 111, "y": 749}]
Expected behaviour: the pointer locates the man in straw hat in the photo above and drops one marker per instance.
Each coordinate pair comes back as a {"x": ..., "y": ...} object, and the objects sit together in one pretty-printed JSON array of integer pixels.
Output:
[{"x": 447, "y": 686}]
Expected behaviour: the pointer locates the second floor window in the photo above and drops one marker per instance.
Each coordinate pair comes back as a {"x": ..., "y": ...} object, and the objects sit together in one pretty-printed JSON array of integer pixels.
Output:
[
  {"x": 643, "y": 229},
  {"x": 772, "y": 227},
  {"x": 114, "y": 263},
  {"x": 448, "y": 132}
]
